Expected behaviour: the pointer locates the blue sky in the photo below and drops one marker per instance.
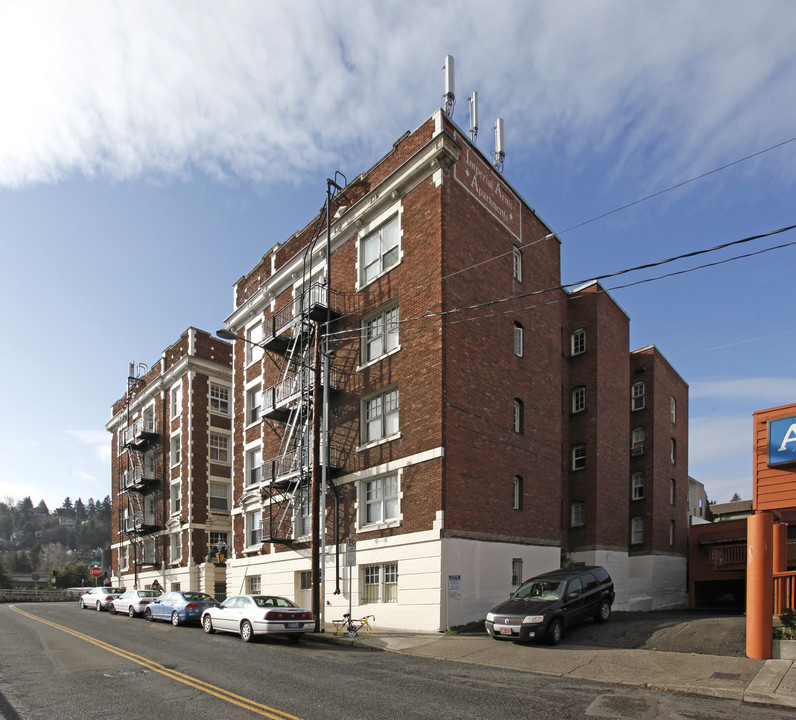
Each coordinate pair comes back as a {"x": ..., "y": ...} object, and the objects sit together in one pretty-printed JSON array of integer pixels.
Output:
[{"x": 151, "y": 153}]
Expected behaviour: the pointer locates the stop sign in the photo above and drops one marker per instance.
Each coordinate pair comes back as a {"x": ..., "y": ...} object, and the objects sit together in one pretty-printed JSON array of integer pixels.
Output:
[{"x": 95, "y": 571}]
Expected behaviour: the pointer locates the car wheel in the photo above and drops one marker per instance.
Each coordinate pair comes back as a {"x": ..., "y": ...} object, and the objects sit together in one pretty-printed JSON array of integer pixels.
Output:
[
  {"x": 246, "y": 631},
  {"x": 207, "y": 624},
  {"x": 99, "y": 606},
  {"x": 555, "y": 632},
  {"x": 148, "y": 615},
  {"x": 175, "y": 618},
  {"x": 604, "y": 611},
  {"x": 130, "y": 611},
  {"x": 111, "y": 609},
  {"x": 82, "y": 604}
]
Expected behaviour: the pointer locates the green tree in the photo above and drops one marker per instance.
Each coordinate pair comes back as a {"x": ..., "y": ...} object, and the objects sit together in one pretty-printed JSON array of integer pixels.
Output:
[
  {"x": 42, "y": 508},
  {"x": 36, "y": 556},
  {"x": 67, "y": 503},
  {"x": 5, "y": 578},
  {"x": 80, "y": 510},
  {"x": 25, "y": 507},
  {"x": 20, "y": 563},
  {"x": 735, "y": 497}
]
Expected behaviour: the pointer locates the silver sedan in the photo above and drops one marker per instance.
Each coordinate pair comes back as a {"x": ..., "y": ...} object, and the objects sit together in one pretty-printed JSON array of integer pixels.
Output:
[
  {"x": 133, "y": 602},
  {"x": 250, "y": 615}
]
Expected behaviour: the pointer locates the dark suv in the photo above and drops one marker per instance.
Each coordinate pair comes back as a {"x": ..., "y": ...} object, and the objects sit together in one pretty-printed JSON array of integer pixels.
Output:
[{"x": 544, "y": 606}]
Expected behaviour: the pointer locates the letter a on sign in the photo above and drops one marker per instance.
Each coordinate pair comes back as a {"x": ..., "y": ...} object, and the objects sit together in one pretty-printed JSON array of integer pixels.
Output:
[
  {"x": 782, "y": 441},
  {"x": 790, "y": 437}
]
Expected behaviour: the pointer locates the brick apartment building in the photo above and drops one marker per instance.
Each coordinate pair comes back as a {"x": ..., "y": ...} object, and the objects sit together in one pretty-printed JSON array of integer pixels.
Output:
[
  {"x": 484, "y": 423},
  {"x": 171, "y": 468}
]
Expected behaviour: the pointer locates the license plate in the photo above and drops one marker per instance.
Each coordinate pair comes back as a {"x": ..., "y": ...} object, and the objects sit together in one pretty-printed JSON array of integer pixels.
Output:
[
  {"x": 505, "y": 631},
  {"x": 293, "y": 624}
]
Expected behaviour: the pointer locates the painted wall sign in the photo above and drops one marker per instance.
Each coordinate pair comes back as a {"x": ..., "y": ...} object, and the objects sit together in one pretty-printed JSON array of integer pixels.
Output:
[{"x": 782, "y": 441}]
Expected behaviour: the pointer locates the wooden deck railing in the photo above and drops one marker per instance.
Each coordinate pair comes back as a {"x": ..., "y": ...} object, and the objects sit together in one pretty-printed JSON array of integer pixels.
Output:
[{"x": 784, "y": 591}]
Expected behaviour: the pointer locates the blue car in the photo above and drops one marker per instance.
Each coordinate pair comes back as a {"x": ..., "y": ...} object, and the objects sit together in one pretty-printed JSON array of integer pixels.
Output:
[{"x": 179, "y": 607}]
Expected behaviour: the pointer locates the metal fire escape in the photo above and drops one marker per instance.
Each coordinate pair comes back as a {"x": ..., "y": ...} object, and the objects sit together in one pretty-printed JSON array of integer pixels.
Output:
[
  {"x": 292, "y": 334},
  {"x": 138, "y": 479}
]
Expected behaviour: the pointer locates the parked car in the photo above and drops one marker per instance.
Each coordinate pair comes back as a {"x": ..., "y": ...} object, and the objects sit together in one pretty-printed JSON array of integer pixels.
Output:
[
  {"x": 74, "y": 591},
  {"x": 99, "y": 597},
  {"x": 179, "y": 607},
  {"x": 133, "y": 602},
  {"x": 544, "y": 606},
  {"x": 250, "y": 615}
]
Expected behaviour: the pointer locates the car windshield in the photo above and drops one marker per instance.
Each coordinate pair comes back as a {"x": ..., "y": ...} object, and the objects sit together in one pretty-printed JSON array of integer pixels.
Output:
[
  {"x": 196, "y": 597},
  {"x": 264, "y": 601},
  {"x": 115, "y": 590},
  {"x": 540, "y": 590}
]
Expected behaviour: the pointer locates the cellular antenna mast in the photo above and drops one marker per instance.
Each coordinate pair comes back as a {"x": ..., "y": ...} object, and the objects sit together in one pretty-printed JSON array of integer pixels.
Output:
[
  {"x": 473, "y": 100},
  {"x": 450, "y": 92},
  {"x": 500, "y": 145}
]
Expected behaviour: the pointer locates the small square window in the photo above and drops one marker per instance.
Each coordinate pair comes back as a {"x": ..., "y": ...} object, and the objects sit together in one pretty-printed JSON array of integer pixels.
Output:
[
  {"x": 219, "y": 399},
  {"x": 380, "y": 334},
  {"x": 637, "y": 396},
  {"x": 380, "y": 500},
  {"x": 219, "y": 496},
  {"x": 255, "y": 585},
  {"x": 379, "y": 251},
  {"x": 380, "y": 416},
  {"x": 219, "y": 448}
]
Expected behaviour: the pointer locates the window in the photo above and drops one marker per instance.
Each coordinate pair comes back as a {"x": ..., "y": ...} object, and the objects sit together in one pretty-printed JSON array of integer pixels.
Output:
[
  {"x": 673, "y": 409},
  {"x": 149, "y": 552},
  {"x": 254, "y": 466},
  {"x": 673, "y": 451},
  {"x": 671, "y": 532},
  {"x": 219, "y": 538},
  {"x": 175, "y": 450},
  {"x": 516, "y": 572},
  {"x": 254, "y": 336},
  {"x": 578, "y": 457},
  {"x": 517, "y": 339},
  {"x": 303, "y": 522},
  {"x": 380, "y": 500},
  {"x": 578, "y": 342},
  {"x": 517, "y": 264},
  {"x": 579, "y": 399},
  {"x": 380, "y": 334},
  {"x": 637, "y": 438},
  {"x": 123, "y": 559},
  {"x": 638, "y": 486},
  {"x": 516, "y": 502},
  {"x": 175, "y": 496},
  {"x": 673, "y": 494},
  {"x": 176, "y": 548},
  {"x": 254, "y": 527},
  {"x": 219, "y": 448},
  {"x": 637, "y": 530},
  {"x": 305, "y": 580},
  {"x": 255, "y": 585},
  {"x": 518, "y": 415},
  {"x": 577, "y": 514},
  {"x": 380, "y": 583},
  {"x": 637, "y": 396},
  {"x": 219, "y": 399},
  {"x": 219, "y": 496},
  {"x": 176, "y": 400},
  {"x": 149, "y": 510},
  {"x": 379, "y": 251},
  {"x": 254, "y": 404},
  {"x": 381, "y": 416}
]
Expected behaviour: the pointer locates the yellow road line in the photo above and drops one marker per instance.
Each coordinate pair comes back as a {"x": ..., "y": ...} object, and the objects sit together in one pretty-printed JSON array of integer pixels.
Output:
[{"x": 218, "y": 692}]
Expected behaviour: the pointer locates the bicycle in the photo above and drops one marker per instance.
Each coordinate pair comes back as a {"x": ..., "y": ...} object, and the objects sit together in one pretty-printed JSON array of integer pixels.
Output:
[{"x": 350, "y": 627}]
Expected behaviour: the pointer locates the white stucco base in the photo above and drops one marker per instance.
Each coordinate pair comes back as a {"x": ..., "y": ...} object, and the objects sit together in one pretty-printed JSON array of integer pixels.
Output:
[{"x": 642, "y": 582}]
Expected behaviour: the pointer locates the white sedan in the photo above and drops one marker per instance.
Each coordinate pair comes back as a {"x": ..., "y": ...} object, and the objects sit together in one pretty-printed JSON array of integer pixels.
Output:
[
  {"x": 99, "y": 597},
  {"x": 250, "y": 615},
  {"x": 133, "y": 602}
]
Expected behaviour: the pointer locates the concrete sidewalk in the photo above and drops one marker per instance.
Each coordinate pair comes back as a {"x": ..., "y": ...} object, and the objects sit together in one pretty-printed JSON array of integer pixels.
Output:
[{"x": 770, "y": 682}]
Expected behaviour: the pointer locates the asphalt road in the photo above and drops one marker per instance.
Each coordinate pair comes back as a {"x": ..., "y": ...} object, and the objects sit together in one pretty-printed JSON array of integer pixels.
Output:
[{"x": 58, "y": 662}]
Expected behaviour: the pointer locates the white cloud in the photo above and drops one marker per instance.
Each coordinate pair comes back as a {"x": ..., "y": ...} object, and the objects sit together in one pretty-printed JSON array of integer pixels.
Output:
[
  {"x": 97, "y": 440},
  {"x": 762, "y": 391},
  {"x": 715, "y": 439},
  {"x": 265, "y": 90}
]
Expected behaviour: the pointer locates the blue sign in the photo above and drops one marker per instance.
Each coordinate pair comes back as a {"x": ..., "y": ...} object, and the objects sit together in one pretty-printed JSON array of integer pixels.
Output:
[{"x": 782, "y": 441}]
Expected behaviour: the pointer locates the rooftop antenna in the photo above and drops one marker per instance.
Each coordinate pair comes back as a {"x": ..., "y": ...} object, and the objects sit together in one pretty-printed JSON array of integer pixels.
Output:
[
  {"x": 500, "y": 145},
  {"x": 473, "y": 100},
  {"x": 450, "y": 92}
]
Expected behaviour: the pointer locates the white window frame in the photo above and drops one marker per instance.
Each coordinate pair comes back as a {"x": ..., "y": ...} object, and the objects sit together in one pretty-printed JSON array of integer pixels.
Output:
[
  {"x": 577, "y": 514},
  {"x": 516, "y": 264},
  {"x": 175, "y": 547},
  {"x": 254, "y": 528},
  {"x": 124, "y": 559},
  {"x": 380, "y": 416},
  {"x": 175, "y": 496},
  {"x": 379, "y": 583},
  {"x": 216, "y": 492},
  {"x": 638, "y": 437},
  {"x": 380, "y": 334},
  {"x": 380, "y": 501},
  {"x": 516, "y": 487},
  {"x": 518, "y": 339},
  {"x": 637, "y": 530},
  {"x": 673, "y": 409},
  {"x": 254, "y": 336},
  {"x": 148, "y": 556},
  {"x": 577, "y": 342},
  {"x": 673, "y": 451},
  {"x": 254, "y": 466},
  {"x": 219, "y": 399},
  {"x": 176, "y": 400},
  {"x": 302, "y": 520},
  {"x": 218, "y": 448},
  {"x": 637, "y": 484},
  {"x": 579, "y": 456},
  {"x": 387, "y": 255},
  {"x": 579, "y": 399},
  {"x": 216, "y": 538},
  {"x": 519, "y": 415},
  {"x": 637, "y": 396},
  {"x": 254, "y": 404},
  {"x": 255, "y": 584},
  {"x": 175, "y": 450}
]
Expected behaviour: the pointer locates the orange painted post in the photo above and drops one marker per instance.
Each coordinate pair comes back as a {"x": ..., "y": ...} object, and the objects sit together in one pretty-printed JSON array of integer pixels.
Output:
[
  {"x": 759, "y": 585},
  {"x": 780, "y": 547}
]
